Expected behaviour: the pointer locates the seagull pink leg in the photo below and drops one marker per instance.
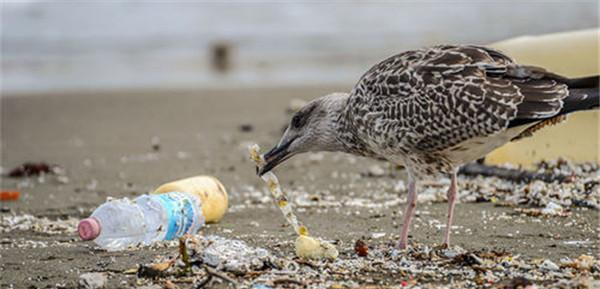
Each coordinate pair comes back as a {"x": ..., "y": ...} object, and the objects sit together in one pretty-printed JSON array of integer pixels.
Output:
[
  {"x": 451, "y": 202},
  {"x": 408, "y": 213}
]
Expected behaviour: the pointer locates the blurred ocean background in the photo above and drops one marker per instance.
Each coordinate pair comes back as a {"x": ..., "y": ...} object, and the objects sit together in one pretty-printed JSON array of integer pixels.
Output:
[{"x": 80, "y": 46}]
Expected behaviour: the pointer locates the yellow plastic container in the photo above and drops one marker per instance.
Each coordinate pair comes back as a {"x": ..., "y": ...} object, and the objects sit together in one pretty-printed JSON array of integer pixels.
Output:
[
  {"x": 211, "y": 192},
  {"x": 572, "y": 54}
]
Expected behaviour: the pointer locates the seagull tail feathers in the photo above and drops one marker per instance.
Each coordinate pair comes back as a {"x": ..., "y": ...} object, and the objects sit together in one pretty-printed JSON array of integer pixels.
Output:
[{"x": 583, "y": 94}]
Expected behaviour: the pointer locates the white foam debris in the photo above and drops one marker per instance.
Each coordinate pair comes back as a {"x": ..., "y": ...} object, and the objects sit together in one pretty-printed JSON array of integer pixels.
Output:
[
  {"x": 552, "y": 208},
  {"x": 92, "y": 280},
  {"x": 234, "y": 255},
  {"x": 29, "y": 222}
]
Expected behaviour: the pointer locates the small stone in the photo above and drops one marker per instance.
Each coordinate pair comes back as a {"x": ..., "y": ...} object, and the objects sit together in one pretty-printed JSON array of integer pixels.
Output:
[
  {"x": 62, "y": 179},
  {"x": 375, "y": 171},
  {"x": 155, "y": 142},
  {"x": 399, "y": 187},
  {"x": 92, "y": 280},
  {"x": 246, "y": 127},
  {"x": 549, "y": 266},
  {"x": 552, "y": 209},
  {"x": 361, "y": 249}
]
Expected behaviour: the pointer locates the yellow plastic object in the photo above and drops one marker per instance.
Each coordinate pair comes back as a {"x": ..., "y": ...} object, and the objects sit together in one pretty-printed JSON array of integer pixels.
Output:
[
  {"x": 311, "y": 248},
  {"x": 210, "y": 191},
  {"x": 572, "y": 54}
]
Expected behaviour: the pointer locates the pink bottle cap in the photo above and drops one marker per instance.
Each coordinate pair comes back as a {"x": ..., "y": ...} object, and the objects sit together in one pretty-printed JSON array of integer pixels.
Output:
[{"x": 89, "y": 229}]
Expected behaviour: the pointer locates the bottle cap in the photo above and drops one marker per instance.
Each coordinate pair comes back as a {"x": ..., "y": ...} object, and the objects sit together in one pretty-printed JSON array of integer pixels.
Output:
[{"x": 89, "y": 229}]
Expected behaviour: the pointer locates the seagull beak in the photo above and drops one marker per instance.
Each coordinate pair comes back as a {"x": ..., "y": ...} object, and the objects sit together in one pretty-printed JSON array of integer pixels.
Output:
[{"x": 275, "y": 156}]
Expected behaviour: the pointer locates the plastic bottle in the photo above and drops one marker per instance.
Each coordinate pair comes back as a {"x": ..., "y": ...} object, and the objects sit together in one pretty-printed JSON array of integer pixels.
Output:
[{"x": 163, "y": 215}]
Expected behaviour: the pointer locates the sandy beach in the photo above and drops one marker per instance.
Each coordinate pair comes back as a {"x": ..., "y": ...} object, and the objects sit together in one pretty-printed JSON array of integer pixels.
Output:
[{"x": 104, "y": 142}]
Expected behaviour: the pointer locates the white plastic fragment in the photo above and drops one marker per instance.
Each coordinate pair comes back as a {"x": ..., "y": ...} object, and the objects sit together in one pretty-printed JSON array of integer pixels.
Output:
[
  {"x": 234, "y": 255},
  {"x": 92, "y": 280},
  {"x": 549, "y": 266},
  {"x": 552, "y": 209}
]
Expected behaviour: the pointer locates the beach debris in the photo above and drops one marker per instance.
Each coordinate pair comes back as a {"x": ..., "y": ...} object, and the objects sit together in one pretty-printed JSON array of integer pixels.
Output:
[
  {"x": 92, "y": 280},
  {"x": 27, "y": 222},
  {"x": 213, "y": 257},
  {"x": 361, "y": 249},
  {"x": 168, "y": 284},
  {"x": 231, "y": 255},
  {"x": 150, "y": 286},
  {"x": 375, "y": 171},
  {"x": 279, "y": 195},
  {"x": 582, "y": 263},
  {"x": 516, "y": 282},
  {"x": 549, "y": 266},
  {"x": 512, "y": 174},
  {"x": 155, "y": 143},
  {"x": 311, "y": 248},
  {"x": 551, "y": 209},
  {"x": 9, "y": 195},
  {"x": 246, "y": 127},
  {"x": 154, "y": 270},
  {"x": 537, "y": 197},
  {"x": 306, "y": 246},
  {"x": 202, "y": 259},
  {"x": 31, "y": 169}
]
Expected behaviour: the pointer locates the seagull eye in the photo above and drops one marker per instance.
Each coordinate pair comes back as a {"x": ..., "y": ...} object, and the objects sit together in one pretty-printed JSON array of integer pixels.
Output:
[
  {"x": 301, "y": 117},
  {"x": 297, "y": 121}
]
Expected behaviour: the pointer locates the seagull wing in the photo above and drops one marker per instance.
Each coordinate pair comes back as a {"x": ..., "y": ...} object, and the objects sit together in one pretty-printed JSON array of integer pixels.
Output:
[{"x": 435, "y": 98}]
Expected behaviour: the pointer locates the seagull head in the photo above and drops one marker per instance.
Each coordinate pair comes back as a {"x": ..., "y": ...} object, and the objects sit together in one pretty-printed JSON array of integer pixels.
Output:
[{"x": 312, "y": 128}]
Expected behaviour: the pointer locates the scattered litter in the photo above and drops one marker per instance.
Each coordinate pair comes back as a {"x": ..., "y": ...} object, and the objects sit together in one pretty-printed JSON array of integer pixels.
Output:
[
  {"x": 28, "y": 222},
  {"x": 551, "y": 209},
  {"x": 375, "y": 171},
  {"x": 246, "y": 127},
  {"x": 249, "y": 267},
  {"x": 306, "y": 246},
  {"x": 153, "y": 270},
  {"x": 9, "y": 195},
  {"x": 92, "y": 280},
  {"x": 577, "y": 242},
  {"x": 155, "y": 142},
  {"x": 311, "y": 248},
  {"x": 582, "y": 263},
  {"x": 234, "y": 255},
  {"x": 549, "y": 266},
  {"x": 30, "y": 169},
  {"x": 361, "y": 249}
]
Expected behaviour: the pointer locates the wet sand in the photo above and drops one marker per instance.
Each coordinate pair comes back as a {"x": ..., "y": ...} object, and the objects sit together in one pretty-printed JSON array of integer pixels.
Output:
[{"x": 104, "y": 142}]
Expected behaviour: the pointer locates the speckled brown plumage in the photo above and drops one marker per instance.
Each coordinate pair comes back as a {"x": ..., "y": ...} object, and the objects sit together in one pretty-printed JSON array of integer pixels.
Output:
[{"x": 417, "y": 105}]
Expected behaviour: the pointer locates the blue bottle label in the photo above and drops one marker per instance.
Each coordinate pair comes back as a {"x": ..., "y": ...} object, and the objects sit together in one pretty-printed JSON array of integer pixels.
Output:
[{"x": 180, "y": 213}]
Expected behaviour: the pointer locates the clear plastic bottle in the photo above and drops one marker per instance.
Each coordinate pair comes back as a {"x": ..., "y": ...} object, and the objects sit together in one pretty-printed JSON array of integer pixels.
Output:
[{"x": 117, "y": 224}]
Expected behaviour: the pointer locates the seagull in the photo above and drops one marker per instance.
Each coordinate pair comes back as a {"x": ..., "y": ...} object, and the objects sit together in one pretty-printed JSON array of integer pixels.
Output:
[{"x": 432, "y": 110}]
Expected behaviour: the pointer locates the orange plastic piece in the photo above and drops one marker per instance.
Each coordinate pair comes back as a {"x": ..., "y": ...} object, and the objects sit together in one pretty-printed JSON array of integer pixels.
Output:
[{"x": 9, "y": 195}]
